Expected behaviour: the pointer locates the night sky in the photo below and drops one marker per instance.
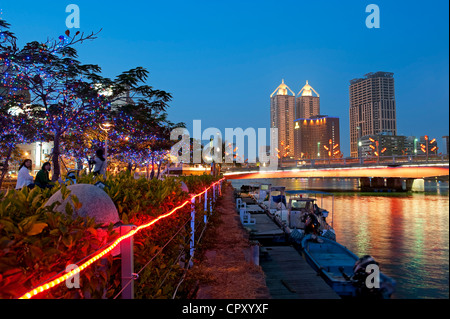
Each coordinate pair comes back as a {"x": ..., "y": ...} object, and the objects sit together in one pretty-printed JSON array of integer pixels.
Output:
[{"x": 222, "y": 59}]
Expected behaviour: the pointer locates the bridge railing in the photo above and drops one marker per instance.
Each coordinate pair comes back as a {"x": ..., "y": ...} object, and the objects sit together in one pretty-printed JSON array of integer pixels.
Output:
[
  {"x": 371, "y": 161},
  {"x": 354, "y": 162}
]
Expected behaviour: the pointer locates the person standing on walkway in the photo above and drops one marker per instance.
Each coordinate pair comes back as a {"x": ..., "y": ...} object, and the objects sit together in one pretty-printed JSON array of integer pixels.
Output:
[
  {"x": 100, "y": 163},
  {"x": 24, "y": 179},
  {"x": 42, "y": 177}
]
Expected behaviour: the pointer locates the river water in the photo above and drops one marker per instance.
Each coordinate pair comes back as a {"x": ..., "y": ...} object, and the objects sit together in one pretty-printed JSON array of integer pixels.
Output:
[{"x": 407, "y": 233}]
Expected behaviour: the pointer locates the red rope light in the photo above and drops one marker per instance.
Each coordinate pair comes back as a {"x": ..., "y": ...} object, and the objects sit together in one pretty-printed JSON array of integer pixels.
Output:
[{"x": 106, "y": 250}]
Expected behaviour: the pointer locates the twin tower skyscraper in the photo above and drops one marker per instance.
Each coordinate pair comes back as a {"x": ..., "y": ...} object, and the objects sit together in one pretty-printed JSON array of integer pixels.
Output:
[{"x": 301, "y": 129}]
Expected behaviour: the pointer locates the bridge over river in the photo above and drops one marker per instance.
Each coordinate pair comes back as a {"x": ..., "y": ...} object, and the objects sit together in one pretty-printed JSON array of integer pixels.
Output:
[{"x": 393, "y": 173}]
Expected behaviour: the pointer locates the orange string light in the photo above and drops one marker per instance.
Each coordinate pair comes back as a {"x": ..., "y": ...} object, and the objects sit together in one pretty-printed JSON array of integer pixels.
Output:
[{"x": 107, "y": 250}]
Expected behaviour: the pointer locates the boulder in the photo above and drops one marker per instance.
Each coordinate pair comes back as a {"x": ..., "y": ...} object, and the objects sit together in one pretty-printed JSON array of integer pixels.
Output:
[
  {"x": 184, "y": 187},
  {"x": 95, "y": 203}
]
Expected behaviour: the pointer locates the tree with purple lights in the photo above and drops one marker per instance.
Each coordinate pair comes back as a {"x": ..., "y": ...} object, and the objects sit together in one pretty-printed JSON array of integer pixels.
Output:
[
  {"x": 141, "y": 134},
  {"x": 140, "y": 131},
  {"x": 68, "y": 100},
  {"x": 62, "y": 94},
  {"x": 16, "y": 124}
]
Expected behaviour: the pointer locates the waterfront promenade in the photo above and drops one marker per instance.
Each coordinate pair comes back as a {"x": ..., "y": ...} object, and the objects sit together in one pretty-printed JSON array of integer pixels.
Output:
[{"x": 227, "y": 271}]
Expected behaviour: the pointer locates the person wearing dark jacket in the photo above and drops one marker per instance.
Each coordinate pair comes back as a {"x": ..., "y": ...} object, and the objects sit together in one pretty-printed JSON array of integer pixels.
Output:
[
  {"x": 99, "y": 162},
  {"x": 42, "y": 177}
]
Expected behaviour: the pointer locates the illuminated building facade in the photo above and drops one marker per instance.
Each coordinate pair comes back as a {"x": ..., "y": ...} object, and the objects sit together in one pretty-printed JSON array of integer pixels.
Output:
[
  {"x": 317, "y": 137},
  {"x": 446, "y": 144},
  {"x": 307, "y": 105},
  {"x": 372, "y": 107},
  {"x": 282, "y": 116}
]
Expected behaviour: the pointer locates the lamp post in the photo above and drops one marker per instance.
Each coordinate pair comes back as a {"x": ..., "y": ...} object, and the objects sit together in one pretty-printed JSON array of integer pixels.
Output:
[
  {"x": 106, "y": 127},
  {"x": 424, "y": 148},
  {"x": 358, "y": 128},
  {"x": 318, "y": 149},
  {"x": 376, "y": 150},
  {"x": 434, "y": 148},
  {"x": 282, "y": 153},
  {"x": 415, "y": 146},
  {"x": 332, "y": 149}
]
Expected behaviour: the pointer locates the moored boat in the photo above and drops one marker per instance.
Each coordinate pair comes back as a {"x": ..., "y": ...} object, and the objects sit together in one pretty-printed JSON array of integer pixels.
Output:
[
  {"x": 302, "y": 216},
  {"x": 343, "y": 271}
]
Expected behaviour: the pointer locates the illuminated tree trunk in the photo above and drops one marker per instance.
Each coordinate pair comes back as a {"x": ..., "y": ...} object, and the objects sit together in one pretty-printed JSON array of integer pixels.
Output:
[
  {"x": 79, "y": 166},
  {"x": 159, "y": 169},
  {"x": 153, "y": 168},
  {"x": 55, "y": 158}
]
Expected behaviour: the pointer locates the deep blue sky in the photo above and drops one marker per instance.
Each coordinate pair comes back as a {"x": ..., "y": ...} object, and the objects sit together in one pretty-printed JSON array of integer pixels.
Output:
[{"x": 222, "y": 59}]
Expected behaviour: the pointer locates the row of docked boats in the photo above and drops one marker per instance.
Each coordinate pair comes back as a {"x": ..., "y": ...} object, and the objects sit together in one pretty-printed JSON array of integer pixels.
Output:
[{"x": 305, "y": 226}]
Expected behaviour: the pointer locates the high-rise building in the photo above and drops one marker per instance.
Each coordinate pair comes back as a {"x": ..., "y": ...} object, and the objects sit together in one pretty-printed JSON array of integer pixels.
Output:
[
  {"x": 282, "y": 116},
  {"x": 372, "y": 107},
  {"x": 386, "y": 144},
  {"x": 446, "y": 144},
  {"x": 307, "y": 105},
  {"x": 317, "y": 137}
]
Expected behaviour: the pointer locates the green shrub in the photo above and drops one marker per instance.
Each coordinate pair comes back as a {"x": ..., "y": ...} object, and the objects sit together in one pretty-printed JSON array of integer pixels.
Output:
[{"x": 36, "y": 242}]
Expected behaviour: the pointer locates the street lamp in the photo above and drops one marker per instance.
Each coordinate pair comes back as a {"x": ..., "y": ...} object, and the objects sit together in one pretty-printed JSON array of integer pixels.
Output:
[
  {"x": 333, "y": 150},
  {"x": 284, "y": 152},
  {"x": 318, "y": 149},
  {"x": 434, "y": 148},
  {"x": 375, "y": 148},
  {"x": 106, "y": 127},
  {"x": 358, "y": 128},
  {"x": 424, "y": 148}
]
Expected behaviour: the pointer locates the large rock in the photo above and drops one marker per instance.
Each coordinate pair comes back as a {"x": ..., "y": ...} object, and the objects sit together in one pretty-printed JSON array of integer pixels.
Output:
[
  {"x": 184, "y": 187},
  {"x": 95, "y": 203}
]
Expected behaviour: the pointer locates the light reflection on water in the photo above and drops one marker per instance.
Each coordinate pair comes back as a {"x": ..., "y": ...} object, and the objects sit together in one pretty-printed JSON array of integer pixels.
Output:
[{"x": 407, "y": 233}]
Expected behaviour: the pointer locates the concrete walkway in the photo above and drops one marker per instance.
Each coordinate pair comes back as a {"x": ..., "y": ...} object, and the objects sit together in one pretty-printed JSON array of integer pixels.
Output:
[{"x": 226, "y": 270}]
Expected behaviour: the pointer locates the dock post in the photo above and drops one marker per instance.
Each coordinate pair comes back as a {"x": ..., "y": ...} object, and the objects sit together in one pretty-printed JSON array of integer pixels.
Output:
[
  {"x": 206, "y": 201},
  {"x": 238, "y": 203},
  {"x": 205, "y": 212},
  {"x": 242, "y": 215},
  {"x": 192, "y": 241},
  {"x": 127, "y": 261},
  {"x": 211, "y": 201},
  {"x": 255, "y": 253}
]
